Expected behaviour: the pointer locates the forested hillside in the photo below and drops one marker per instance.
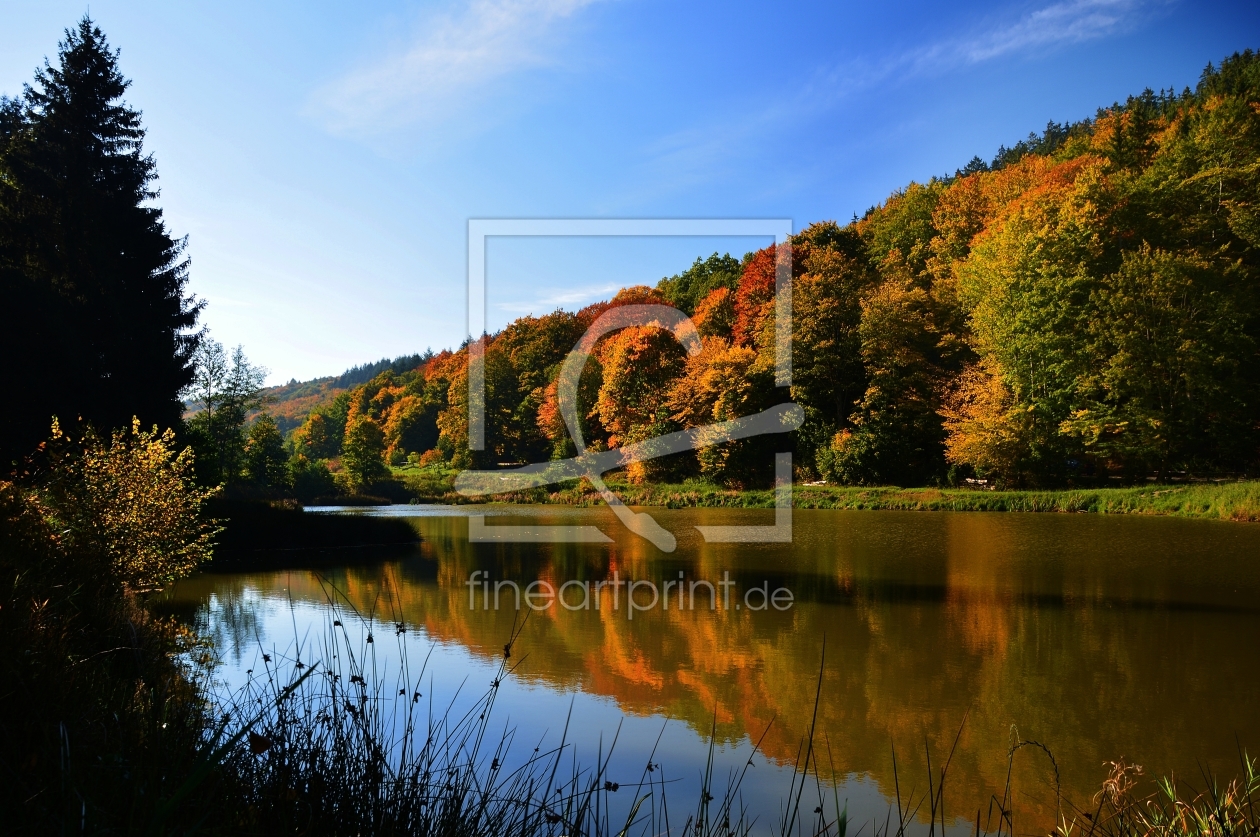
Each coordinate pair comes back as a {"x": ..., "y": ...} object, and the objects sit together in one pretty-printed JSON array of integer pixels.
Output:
[
  {"x": 289, "y": 404},
  {"x": 1084, "y": 306}
]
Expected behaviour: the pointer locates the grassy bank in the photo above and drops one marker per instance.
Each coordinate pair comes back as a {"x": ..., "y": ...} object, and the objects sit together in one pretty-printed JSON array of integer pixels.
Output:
[
  {"x": 1228, "y": 501},
  {"x": 1238, "y": 501}
]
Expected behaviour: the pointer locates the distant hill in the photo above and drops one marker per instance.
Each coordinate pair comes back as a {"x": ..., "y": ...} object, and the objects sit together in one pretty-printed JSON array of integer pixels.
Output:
[{"x": 291, "y": 403}]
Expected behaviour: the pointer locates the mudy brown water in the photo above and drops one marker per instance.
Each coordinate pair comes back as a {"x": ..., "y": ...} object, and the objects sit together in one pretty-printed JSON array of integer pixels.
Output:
[{"x": 1100, "y": 637}]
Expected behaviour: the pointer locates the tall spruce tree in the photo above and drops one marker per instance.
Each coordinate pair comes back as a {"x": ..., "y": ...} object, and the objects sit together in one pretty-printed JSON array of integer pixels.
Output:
[{"x": 94, "y": 320}]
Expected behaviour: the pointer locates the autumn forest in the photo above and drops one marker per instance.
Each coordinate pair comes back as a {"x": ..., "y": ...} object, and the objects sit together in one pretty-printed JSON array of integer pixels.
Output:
[{"x": 1084, "y": 307}]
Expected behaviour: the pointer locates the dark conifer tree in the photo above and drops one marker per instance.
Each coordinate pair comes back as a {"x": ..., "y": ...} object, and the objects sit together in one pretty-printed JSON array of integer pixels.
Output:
[{"x": 94, "y": 321}]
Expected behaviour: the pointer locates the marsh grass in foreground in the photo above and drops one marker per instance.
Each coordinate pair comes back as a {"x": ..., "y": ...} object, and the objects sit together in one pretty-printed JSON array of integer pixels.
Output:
[
  {"x": 1121, "y": 809},
  {"x": 343, "y": 746}
]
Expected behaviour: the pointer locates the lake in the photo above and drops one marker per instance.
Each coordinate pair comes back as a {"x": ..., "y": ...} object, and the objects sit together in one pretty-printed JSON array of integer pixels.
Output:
[{"x": 1101, "y": 638}]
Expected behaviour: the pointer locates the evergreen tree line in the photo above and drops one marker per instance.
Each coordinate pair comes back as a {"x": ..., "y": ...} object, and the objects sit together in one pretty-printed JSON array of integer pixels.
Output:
[
  {"x": 1084, "y": 307},
  {"x": 363, "y": 373}
]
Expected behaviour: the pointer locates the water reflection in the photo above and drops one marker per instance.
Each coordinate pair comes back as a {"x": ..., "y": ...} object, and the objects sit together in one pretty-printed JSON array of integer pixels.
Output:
[{"x": 1100, "y": 637}]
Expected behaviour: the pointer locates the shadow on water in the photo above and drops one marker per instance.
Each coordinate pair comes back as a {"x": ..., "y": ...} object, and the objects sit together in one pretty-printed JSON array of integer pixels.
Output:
[{"x": 259, "y": 535}]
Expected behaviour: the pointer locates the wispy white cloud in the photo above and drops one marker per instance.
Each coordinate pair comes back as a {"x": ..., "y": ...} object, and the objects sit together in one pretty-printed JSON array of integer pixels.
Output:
[
  {"x": 1040, "y": 30},
  {"x": 456, "y": 57},
  {"x": 701, "y": 153},
  {"x": 1056, "y": 25},
  {"x": 567, "y": 299}
]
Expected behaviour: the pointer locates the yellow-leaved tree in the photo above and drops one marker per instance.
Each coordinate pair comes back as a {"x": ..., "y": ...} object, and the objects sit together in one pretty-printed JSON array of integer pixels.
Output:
[
  {"x": 131, "y": 501},
  {"x": 639, "y": 364}
]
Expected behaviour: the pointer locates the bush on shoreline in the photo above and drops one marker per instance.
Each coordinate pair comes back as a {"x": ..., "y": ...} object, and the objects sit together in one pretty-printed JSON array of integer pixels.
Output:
[{"x": 101, "y": 713}]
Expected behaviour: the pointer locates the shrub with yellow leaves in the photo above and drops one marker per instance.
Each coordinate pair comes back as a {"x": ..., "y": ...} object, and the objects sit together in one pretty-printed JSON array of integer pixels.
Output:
[{"x": 132, "y": 502}]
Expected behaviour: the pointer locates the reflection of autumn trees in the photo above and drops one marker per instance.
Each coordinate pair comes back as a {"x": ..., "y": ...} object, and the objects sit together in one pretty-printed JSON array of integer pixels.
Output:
[{"x": 1037, "y": 623}]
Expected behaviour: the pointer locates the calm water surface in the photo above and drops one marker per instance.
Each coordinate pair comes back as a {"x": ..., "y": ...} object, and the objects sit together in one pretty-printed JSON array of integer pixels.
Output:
[{"x": 1101, "y": 637}]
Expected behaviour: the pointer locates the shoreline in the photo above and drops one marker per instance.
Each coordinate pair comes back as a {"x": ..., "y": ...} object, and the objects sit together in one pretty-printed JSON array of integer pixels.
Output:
[{"x": 1229, "y": 501}]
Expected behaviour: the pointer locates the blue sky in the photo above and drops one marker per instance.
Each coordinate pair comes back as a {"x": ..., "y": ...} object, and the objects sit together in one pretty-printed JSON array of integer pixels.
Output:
[{"x": 324, "y": 158}]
